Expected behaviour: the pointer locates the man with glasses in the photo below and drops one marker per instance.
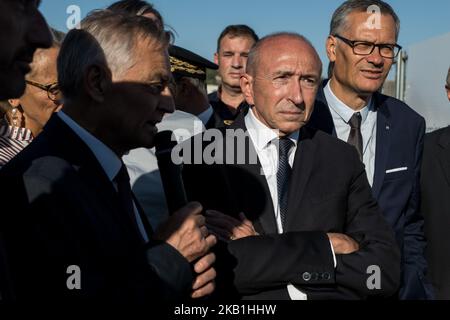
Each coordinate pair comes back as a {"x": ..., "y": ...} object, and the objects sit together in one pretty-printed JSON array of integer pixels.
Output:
[{"x": 387, "y": 134}]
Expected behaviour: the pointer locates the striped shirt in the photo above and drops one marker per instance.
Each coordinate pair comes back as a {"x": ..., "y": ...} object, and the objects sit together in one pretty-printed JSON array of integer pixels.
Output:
[{"x": 12, "y": 141}]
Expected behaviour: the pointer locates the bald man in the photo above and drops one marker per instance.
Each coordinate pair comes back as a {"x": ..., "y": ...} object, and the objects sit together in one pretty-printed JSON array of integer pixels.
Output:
[{"x": 296, "y": 225}]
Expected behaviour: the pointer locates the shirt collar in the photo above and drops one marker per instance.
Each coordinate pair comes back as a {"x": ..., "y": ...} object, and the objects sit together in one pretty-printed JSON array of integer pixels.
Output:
[
  {"x": 205, "y": 115},
  {"x": 262, "y": 135},
  {"x": 109, "y": 161},
  {"x": 344, "y": 111}
]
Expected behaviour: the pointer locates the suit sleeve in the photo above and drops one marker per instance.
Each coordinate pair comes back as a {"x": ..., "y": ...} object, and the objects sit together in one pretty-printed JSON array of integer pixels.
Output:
[
  {"x": 414, "y": 283},
  {"x": 373, "y": 270},
  {"x": 58, "y": 239}
]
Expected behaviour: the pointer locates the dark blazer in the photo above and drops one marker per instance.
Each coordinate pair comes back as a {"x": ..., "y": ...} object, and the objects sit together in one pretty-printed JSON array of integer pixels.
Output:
[
  {"x": 435, "y": 186},
  {"x": 328, "y": 192},
  {"x": 399, "y": 143},
  {"x": 60, "y": 209}
]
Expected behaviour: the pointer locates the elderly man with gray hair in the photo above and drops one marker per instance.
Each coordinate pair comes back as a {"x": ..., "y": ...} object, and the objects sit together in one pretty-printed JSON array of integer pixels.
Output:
[
  {"x": 71, "y": 217},
  {"x": 435, "y": 183}
]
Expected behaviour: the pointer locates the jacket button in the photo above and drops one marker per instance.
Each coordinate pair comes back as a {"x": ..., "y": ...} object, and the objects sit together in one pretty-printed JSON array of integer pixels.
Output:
[
  {"x": 326, "y": 276},
  {"x": 306, "y": 276},
  {"x": 314, "y": 276}
]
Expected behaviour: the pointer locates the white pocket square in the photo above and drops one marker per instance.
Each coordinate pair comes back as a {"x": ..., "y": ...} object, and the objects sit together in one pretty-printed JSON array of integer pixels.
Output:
[{"x": 397, "y": 169}]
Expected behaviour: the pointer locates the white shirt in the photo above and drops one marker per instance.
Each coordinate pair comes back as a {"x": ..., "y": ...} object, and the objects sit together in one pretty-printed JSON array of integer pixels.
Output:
[
  {"x": 341, "y": 114},
  {"x": 142, "y": 165},
  {"x": 108, "y": 160},
  {"x": 263, "y": 138}
]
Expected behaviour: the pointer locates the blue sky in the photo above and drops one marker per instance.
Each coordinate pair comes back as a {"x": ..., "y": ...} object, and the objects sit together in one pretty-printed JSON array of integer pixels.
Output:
[{"x": 199, "y": 22}]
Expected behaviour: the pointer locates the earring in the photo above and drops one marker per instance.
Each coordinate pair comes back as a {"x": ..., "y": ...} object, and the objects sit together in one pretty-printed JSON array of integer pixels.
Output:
[{"x": 15, "y": 117}]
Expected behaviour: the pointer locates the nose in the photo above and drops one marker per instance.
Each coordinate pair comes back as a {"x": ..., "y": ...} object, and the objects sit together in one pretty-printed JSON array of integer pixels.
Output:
[
  {"x": 38, "y": 33},
  {"x": 167, "y": 102},
  {"x": 237, "y": 61},
  {"x": 375, "y": 57},
  {"x": 295, "y": 92}
]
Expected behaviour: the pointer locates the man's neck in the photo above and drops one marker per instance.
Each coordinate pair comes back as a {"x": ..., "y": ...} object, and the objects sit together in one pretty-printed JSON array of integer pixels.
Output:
[
  {"x": 232, "y": 97},
  {"x": 87, "y": 120},
  {"x": 350, "y": 98}
]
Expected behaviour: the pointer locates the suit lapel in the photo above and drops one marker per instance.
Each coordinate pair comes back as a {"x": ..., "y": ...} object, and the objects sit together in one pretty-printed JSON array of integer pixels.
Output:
[
  {"x": 444, "y": 154},
  {"x": 383, "y": 144},
  {"x": 266, "y": 219},
  {"x": 89, "y": 170},
  {"x": 301, "y": 171},
  {"x": 321, "y": 118}
]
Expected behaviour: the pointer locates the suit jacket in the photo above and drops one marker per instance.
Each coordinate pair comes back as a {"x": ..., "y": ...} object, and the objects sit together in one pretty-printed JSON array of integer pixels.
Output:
[
  {"x": 328, "y": 192},
  {"x": 62, "y": 210},
  {"x": 399, "y": 144},
  {"x": 435, "y": 186}
]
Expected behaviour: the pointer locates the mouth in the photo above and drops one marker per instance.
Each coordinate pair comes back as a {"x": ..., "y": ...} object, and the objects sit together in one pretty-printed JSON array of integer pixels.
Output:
[
  {"x": 235, "y": 75},
  {"x": 372, "y": 74}
]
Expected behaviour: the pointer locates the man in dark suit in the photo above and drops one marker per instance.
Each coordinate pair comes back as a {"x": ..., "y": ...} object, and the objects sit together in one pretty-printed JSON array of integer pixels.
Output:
[
  {"x": 435, "y": 187},
  {"x": 387, "y": 134},
  {"x": 311, "y": 228},
  {"x": 22, "y": 30},
  {"x": 71, "y": 228}
]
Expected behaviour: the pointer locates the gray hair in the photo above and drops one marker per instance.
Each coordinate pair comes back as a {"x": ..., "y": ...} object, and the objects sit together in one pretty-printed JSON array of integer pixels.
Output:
[
  {"x": 339, "y": 19},
  {"x": 253, "y": 55},
  {"x": 106, "y": 38}
]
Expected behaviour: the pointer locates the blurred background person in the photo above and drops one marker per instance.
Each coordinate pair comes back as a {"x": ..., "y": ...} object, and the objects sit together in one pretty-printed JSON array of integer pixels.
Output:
[
  {"x": 23, "y": 30},
  {"x": 435, "y": 183},
  {"x": 189, "y": 73},
  {"x": 233, "y": 46},
  {"x": 25, "y": 117}
]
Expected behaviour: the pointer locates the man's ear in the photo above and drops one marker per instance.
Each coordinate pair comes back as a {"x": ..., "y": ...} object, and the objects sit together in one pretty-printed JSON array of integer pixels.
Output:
[
  {"x": 216, "y": 58},
  {"x": 246, "y": 82},
  {"x": 330, "y": 47},
  {"x": 97, "y": 81}
]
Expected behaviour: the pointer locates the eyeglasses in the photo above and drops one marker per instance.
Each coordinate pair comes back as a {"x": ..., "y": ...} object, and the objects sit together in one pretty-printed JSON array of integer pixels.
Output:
[
  {"x": 364, "y": 48},
  {"x": 52, "y": 89}
]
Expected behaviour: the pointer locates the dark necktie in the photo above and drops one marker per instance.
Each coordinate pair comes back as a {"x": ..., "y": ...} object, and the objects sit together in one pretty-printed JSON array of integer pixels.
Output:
[
  {"x": 283, "y": 175},
  {"x": 126, "y": 197},
  {"x": 355, "y": 137}
]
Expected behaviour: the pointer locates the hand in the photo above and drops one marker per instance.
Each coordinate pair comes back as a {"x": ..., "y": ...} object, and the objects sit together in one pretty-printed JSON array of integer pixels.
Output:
[
  {"x": 342, "y": 244},
  {"x": 228, "y": 228},
  {"x": 185, "y": 230},
  {"x": 204, "y": 282}
]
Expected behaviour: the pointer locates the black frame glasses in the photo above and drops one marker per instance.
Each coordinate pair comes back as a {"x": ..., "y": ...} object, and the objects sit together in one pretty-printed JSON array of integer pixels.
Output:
[
  {"x": 51, "y": 88},
  {"x": 365, "y": 48}
]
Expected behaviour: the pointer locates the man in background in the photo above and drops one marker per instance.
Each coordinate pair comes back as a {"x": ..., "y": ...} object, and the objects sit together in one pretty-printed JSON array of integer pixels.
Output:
[
  {"x": 435, "y": 183},
  {"x": 233, "y": 46}
]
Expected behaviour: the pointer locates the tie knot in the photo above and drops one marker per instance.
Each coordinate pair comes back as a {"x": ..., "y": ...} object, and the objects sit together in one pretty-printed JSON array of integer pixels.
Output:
[
  {"x": 284, "y": 145},
  {"x": 355, "y": 121}
]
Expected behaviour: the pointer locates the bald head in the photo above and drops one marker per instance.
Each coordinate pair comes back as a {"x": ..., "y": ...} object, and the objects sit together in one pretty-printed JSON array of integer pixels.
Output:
[
  {"x": 279, "y": 41},
  {"x": 281, "y": 82}
]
